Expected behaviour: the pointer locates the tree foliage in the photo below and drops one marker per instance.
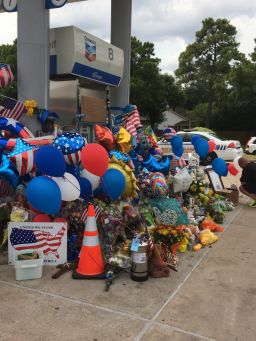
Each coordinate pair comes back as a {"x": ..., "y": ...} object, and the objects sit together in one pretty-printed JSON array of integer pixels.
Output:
[
  {"x": 253, "y": 54},
  {"x": 151, "y": 91},
  {"x": 147, "y": 86},
  {"x": 173, "y": 93},
  {"x": 205, "y": 63},
  {"x": 238, "y": 100}
]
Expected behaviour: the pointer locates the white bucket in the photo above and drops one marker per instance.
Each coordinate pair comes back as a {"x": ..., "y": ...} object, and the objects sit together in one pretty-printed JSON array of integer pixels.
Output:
[{"x": 29, "y": 268}]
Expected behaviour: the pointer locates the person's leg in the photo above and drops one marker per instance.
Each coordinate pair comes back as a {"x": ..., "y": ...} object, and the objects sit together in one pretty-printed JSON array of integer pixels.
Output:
[{"x": 243, "y": 190}]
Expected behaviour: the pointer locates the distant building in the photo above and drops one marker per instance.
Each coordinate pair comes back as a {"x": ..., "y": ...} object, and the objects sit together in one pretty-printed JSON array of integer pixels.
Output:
[{"x": 174, "y": 120}]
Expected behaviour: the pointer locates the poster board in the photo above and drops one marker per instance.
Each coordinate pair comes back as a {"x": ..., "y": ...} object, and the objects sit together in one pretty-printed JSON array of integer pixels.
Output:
[
  {"x": 215, "y": 180},
  {"x": 49, "y": 237},
  {"x": 93, "y": 109}
]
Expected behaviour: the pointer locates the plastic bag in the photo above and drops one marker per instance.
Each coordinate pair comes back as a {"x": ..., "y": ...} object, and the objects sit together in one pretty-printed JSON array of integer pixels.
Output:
[{"x": 182, "y": 181}]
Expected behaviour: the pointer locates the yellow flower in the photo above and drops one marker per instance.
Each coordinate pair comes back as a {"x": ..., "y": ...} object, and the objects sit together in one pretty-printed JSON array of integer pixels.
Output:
[
  {"x": 30, "y": 112},
  {"x": 164, "y": 232},
  {"x": 30, "y": 105}
]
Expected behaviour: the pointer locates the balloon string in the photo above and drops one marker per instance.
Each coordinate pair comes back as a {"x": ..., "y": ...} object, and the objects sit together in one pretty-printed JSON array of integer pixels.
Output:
[
  {"x": 79, "y": 189},
  {"x": 72, "y": 183}
]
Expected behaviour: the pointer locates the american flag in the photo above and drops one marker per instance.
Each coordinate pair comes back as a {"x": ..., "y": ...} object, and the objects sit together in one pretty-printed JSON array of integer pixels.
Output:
[
  {"x": 23, "y": 156},
  {"x": 5, "y": 188},
  {"x": 35, "y": 239},
  {"x": 6, "y": 76},
  {"x": 131, "y": 122},
  {"x": 12, "y": 108},
  {"x": 97, "y": 211}
]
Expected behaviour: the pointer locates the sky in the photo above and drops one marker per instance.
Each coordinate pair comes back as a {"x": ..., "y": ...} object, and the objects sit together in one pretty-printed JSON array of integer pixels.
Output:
[{"x": 169, "y": 24}]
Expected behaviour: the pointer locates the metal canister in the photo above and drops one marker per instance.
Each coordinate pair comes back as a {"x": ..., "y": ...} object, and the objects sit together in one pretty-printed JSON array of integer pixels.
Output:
[{"x": 139, "y": 271}]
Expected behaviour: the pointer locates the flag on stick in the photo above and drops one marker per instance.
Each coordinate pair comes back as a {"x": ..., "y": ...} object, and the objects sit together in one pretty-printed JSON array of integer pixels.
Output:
[{"x": 12, "y": 108}]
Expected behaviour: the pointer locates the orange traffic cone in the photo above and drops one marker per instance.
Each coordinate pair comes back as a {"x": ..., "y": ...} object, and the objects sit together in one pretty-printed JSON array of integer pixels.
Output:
[{"x": 90, "y": 264}]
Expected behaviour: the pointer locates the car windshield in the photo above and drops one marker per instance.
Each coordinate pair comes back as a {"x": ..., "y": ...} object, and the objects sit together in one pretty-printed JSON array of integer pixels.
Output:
[{"x": 214, "y": 135}]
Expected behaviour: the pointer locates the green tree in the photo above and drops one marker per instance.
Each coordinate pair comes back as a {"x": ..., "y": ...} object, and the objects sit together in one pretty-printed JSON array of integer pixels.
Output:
[
  {"x": 147, "y": 84},
  {"x": 253, "y": 54},
  {"x": 206, "y": 62},
  {"x": 8, "y": 55},
  {"x": 173, "y": 93},
  {"x": 239, "y": 100}
]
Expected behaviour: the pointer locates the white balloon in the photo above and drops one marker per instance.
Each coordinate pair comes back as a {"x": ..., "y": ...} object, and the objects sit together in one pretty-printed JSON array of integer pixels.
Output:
[
  {"x": 94, "y": 179},
  {"x": 235, "y": 162},
  {"x": 69, "y": 187}
]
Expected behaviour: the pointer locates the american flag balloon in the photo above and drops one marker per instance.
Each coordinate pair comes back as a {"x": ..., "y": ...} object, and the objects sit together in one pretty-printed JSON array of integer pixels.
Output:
[
  {"x": 70, "y": 144},
  {"x": 14, "y": 127},
  {"x": 6, "y": 75},
  {"x": 181, "y": 163},
  {"x": 23, "y": 156}
]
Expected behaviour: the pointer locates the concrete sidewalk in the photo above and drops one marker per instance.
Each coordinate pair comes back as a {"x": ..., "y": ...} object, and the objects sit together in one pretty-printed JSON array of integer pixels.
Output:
[{"x": 211, "y": 297}]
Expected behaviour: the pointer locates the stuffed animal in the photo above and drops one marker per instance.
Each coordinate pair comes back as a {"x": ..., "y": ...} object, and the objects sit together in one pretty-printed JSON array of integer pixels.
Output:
[
  {"x": 210, "y": 225},
  {"x": 206, "y": 238}
]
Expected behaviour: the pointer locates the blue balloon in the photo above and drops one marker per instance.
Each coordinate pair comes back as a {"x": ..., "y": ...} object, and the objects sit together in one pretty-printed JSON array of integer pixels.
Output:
[
  {"x": 179, "y": 152},
  {"x": 113, "y": 183},
  {"x": 153, "y": 165},
  {"x": 86, "y": 188},
  {"x": 176, "y": 142},
  {"x": 147, "y": 161},
  {"x": 162, "y": 166},
  {"x": 8, "y": 171},
  {"x": 73, "y": 169},
  {"x": 98, "y": 192},
  {"x": 201, "y": 147},
  {"x": 44, "y": 195},
  {"x": 135, "y": 161},
  {"x": 50, "y": 161},
  {"x": 3, "y": 143},
  {"x": 220, "y": 167},
  {"x": 194, "y": 139}
]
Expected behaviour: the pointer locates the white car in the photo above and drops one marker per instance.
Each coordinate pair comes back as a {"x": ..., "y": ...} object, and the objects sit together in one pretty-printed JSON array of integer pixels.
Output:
[
  {"x": 251, "y": 146},
  {"x": 225, "y": 149}
]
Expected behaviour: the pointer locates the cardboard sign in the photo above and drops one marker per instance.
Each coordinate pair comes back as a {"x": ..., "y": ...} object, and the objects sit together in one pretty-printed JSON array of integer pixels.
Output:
[
  {"x": 51, "y": 238},
  {"x": 93, "y": 109}
]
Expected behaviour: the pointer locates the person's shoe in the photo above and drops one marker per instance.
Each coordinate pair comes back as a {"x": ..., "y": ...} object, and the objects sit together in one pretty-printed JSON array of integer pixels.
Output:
[{"x": 253, "y": 204}]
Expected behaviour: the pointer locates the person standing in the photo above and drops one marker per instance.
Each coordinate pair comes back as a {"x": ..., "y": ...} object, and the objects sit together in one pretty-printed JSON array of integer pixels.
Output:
[{"x": 248, "y": 179}]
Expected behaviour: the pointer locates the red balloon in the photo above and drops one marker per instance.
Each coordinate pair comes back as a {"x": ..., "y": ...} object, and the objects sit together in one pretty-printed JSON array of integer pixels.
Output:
[
  {"x": 60, "y": 220},
  {"x": 104, "y": 136},
  {"x": 95, "y": 159},
  {"x": 42, "y": 218},
  {"x": 232, "y": 169},
  {"x": 212, "y": 145}
]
